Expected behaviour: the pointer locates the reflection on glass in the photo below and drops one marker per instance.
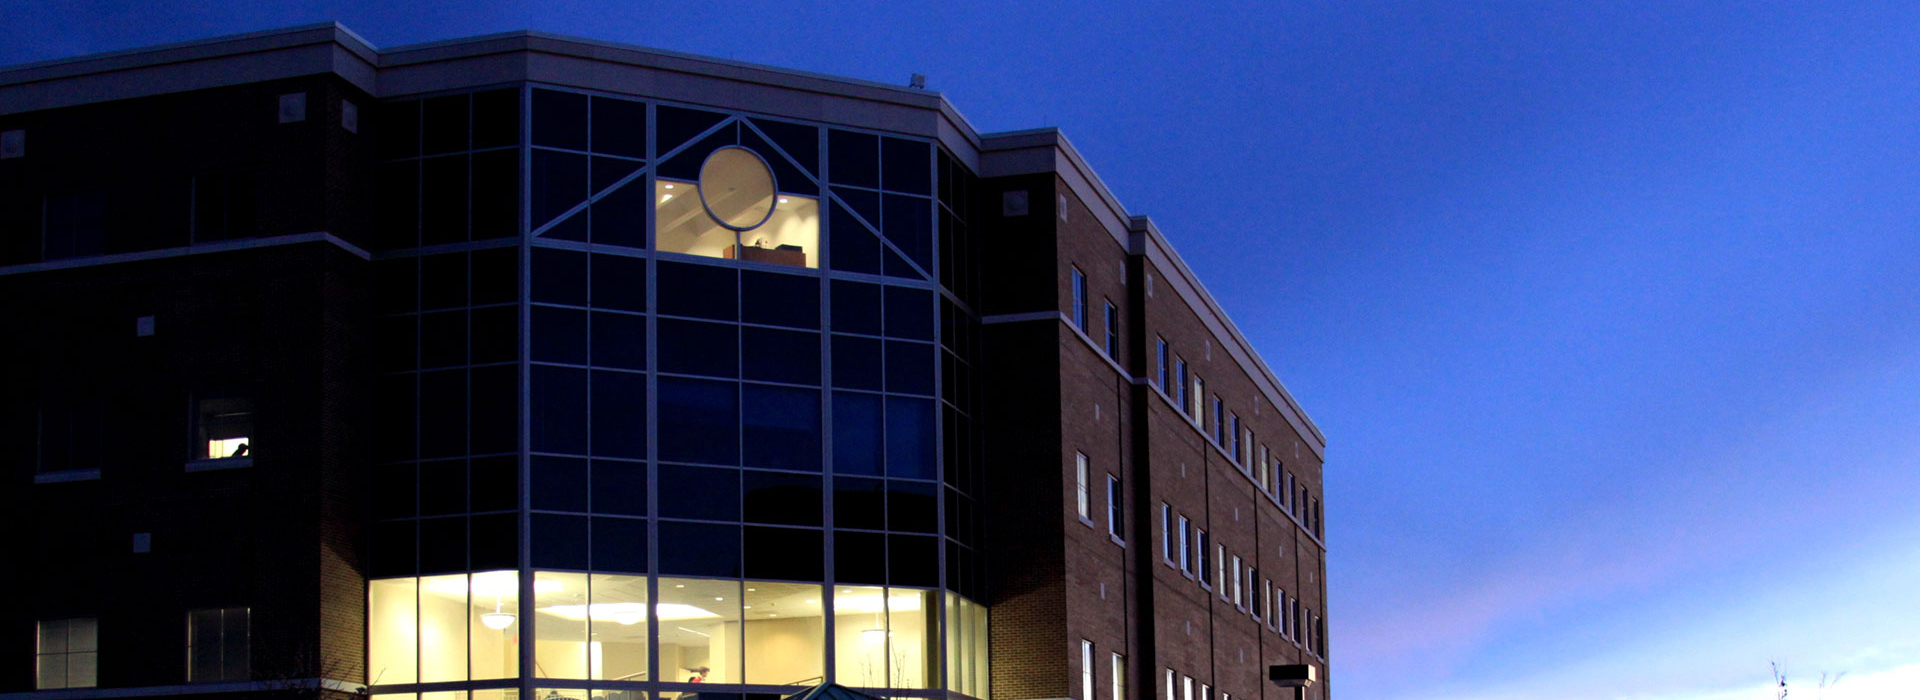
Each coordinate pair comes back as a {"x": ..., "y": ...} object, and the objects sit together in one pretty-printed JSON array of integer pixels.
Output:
[
  {"x": 443, "y": 628},
  {"x": 560, "y": 625},
  {"x": 785, "y": 630},
  {"x": 393, "y": 632},
  {"x": 618, "y": 651},
  {"x": 966, "y": 646},
  {"x": 790, "y": 234},
  {"x": 495, "y": 625},
  {"x": 860, "y": 636},
  {"x": 699, "y": 630}
]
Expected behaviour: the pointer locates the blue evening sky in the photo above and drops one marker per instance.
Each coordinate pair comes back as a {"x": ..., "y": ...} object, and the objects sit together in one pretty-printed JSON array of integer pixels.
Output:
[{"x": 1608, "y": 309}]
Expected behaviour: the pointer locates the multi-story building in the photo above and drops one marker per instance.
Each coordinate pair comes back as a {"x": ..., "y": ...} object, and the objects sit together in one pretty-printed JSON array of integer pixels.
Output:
[{"x": 525, "y": 365}]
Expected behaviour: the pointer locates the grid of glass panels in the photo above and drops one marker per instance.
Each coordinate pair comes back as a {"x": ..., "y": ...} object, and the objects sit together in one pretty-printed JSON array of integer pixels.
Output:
[{"x": 732, "y": 438}]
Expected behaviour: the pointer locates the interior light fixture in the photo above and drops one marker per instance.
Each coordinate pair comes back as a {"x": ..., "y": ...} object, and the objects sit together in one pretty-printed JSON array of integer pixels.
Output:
[
  {"x": 629, "y": 618},
  {"x": 497, "y": 620},
  {"x": 873, "y": 636}
]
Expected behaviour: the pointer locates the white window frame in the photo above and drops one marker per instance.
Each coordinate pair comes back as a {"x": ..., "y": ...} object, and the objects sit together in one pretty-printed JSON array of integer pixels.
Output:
[
  {"x": 1086, "y": 670},
  {"x": 1083, "y": 496}
]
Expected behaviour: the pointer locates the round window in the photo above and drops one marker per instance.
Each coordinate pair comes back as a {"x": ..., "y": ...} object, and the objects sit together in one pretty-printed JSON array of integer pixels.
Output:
[{"x": 736, "y": 187}]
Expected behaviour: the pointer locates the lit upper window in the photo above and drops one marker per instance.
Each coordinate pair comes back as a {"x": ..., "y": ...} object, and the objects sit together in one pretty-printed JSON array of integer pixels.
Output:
[
  {"x": 224, "y": 429},
  {"x": 736, "y": 211}
]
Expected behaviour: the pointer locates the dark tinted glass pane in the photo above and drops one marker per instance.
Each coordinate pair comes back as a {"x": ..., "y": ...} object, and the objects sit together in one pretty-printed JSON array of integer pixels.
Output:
[
  {"x": 560, "y": 119},
  {"x": 698, "y": 347},
  {"x": 443, "y": 545},
  {"x": 607, "y": 171},
  {"x": 699, "y": 493},
  {"x": 620, "y": 218},
  {"x": 495, "y": 483},
  {"x": 908, "y": 222},
  {"x": 443, "y": 281},
  {"x": 496, "y": 276},
  {"x": 559, "y": 410},
  {"x": 496, "y": 334},
  {"x": 559, "y": 335},
  {"x": 802, "y": 143},
  {"x": 559, "y": 541},
  {"x": 856, "y": 307},
  {"x": 780, "y": 300},
  {"x": 686, "y": 164},
  {"x": 571, "y": 227},
  {"x": 857, "y": 445},
  {"x": 619, "y": 544},
  {"x": 560, "y": 276},
  {"x": 785, "y": 553},
  {"x": 699, "y": 549},
  {"x": 393, "y": 488},
  {"x": 559, "y": 183},
  {"x": 620, "y": 414},
  {"x": 910, "y": 438},
  {"x": 393, "y": 549},
  {"x": 698, "y": 421},
  {"x": 855, "y": 249},
  {"x": 862, "y": 202},
  {"x": 782, "y": 499},
  {"x": 395, "y": 343},
  {"x": 781, "y": 427},
  {"x": 559, "y": 483},
  {"x": 443, "y": 124},
  {"x": 906, "y": 166},
  {"x": 399, "y": 202},
  {"x": 860, "y": 557},
  {"x": 787, "y": 177},
  {"x": 496, "y": 409},
  {"x": 913, "y": 560},
  {"x": 394, "y": 399},
  {"x": 701, "y": 291},
  {"x": 853, "y": 159},
  {"x": 399, "y": 129},
  {"x": 496, "y": 195},
  {"x": 909, "y": 313},
  {"x": 443, "y": 200},
  {"x": 678, "y": 125},
  {"x": 911, "y": 506},
  {"x": 896, "y": 266},
  {"x": 395, "y": 285},
  {"x": 620, "y": 283},
  {"x": 859, "y": 503},
  {"x": 443, "y": 413},
  {"x": 909, "y": 367},
  {"x": 619, "y": 488},
  {"x": 619, "y": 127},
  {"x": 781, "y": 356},
  {"x": 496, "y": 118},
  {"x": 856, "y": 362},
  {"x": 495, "y": 541},
  {"x": 619, "y": 340},
  {"x": 443, "y": 339}
]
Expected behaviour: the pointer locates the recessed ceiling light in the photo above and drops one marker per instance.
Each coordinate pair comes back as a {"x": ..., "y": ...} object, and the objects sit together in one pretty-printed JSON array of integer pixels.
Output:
[{"x": 669, "y": 185}]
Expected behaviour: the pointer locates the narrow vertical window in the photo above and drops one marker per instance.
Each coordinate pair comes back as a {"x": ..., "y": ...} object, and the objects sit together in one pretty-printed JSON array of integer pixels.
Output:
[
  {"x": 68, "y": 654},
  {"x": 1186, "y": 688},
  {"x": 1198, "y": 397},
  {"x": 1220, "y": 569},
  {"x": 1219, "y": 425},
  {"x": 1113, "y": 331},
  {"x": 1286, "y": 495},
  {"x": 1160, "y": 363},
  {"x": 1080, "y": 486},
  {"x": 1119, "y": 680},
  {"x": 1261, "y": 466},
  {"x": 1186, "y": 556},
  {"x": 1166, "y": 533},
  {"x": 1170, "y": 695},
  {"x": 1079, "y": 300},
  {"x": 1180, "y": 385},
  {"x": 1233, "y": 439},
  {"x": 1237, "y": 601},
  {"x": 1115, "y": 517},
  {"x": 1086, "y": 670}
]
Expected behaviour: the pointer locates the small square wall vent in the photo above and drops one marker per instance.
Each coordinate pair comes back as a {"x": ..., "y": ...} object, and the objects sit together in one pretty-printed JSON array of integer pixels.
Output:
[
  {"x": 13, "y": 144},
  {"x": 350, "y": 116},
  {"x": 293, "y": 107},
  {"x": 1013, "y": 203}
]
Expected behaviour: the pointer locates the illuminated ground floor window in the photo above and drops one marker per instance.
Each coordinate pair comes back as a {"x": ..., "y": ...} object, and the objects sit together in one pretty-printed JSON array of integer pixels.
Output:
[{"x": 703, "y": 632}]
